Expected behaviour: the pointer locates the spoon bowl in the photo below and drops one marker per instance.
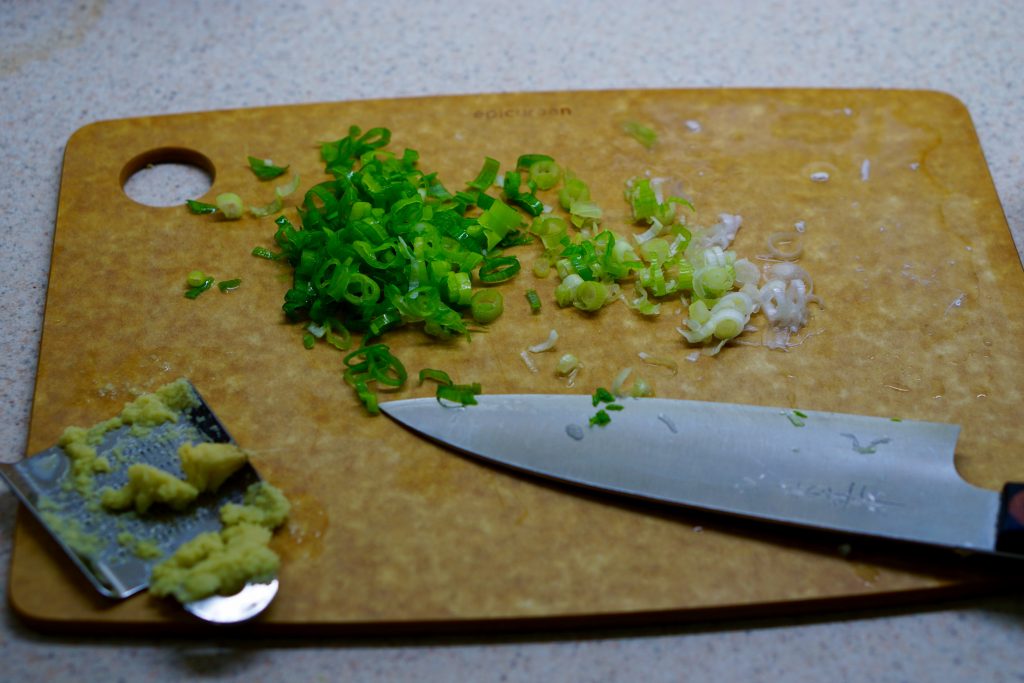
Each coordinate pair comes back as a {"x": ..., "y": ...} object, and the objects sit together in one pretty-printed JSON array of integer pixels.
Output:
[{"x": 234, "y": 609}]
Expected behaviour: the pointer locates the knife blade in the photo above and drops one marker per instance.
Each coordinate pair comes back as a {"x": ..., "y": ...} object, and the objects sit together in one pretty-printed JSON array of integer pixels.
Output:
[{"x": 858, "y": 474}]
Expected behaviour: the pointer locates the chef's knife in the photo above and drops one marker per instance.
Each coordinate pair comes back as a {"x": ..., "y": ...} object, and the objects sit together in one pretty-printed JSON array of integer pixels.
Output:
[{"x": 851, "y": 473}]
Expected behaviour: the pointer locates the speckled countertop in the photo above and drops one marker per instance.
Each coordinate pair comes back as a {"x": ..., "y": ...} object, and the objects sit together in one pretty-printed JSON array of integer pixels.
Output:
[{"x": 63, "y": 65}]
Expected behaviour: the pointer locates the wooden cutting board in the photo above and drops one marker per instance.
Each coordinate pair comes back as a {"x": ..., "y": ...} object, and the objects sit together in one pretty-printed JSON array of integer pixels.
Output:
[{"x": 922, "y": 291}]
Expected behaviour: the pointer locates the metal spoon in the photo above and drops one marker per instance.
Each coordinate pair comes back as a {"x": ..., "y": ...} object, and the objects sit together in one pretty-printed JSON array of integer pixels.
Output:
[{"x": 234, "y": 609}]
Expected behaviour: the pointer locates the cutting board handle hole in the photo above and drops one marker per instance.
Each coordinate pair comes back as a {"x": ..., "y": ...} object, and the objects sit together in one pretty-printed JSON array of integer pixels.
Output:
[{"x": 167, "y": 176}]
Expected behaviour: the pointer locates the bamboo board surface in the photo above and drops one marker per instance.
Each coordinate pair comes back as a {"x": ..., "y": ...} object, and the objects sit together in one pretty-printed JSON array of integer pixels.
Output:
[{"x": 922, "y": 290}]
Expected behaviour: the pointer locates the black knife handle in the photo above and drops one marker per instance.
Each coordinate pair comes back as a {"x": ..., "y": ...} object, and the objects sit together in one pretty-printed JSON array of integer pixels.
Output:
[{"x": 1010, "y": 523}]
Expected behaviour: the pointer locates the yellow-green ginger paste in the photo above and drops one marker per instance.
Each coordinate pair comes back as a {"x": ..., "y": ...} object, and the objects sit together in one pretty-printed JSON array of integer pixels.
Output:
[
  {"x": 211, "y": 563},
  {"x": 69, "y": 529},
  {"x": 223, "y": 562},
  {"x": 148, "y": 485},
  {"x": 208, "y": 465},
  {"x": 140, "y": 547},
  {"x": 147, "y": 411}
]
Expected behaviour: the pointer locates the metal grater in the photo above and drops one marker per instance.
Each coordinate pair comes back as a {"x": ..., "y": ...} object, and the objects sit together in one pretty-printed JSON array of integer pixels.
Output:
[{"x": 110, "y": 565}]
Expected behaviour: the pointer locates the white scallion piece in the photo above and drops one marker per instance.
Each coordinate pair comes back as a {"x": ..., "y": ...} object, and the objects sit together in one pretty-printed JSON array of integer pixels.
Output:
[
  {"x": 529, "y": 361},
  {"x": 785, "y": 246},
  {"x": 657, "y": 360},
  {"x": 746, "y": 272},
  {"x": 654, "y": 231},
  {"x": 620, "y": 380},
  {"x": 545, "y": 345},
  {"x": 289, "y": 187},
  {"x": 567, "y": 364}
]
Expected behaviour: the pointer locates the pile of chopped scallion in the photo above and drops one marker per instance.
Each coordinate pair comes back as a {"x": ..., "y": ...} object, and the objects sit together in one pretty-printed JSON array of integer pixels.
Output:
[{"x": 382, "y": 244}]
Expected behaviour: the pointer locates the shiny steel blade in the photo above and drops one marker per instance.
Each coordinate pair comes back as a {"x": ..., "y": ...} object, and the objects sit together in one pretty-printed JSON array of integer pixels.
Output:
[{"x": 852, "y": 473}]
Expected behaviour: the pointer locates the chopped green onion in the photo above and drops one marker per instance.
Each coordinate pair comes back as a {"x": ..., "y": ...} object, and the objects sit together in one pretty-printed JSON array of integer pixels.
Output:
[
  {"x": 541, "y": 267},
  {"x": 565, "y": 292},
  {"x": 382, "y": 244},
  {"x": 488, "y": 174},
  {"x": 602, "y": 395},
  {"x": 590, "y": 296},
  {"x": 498, "y": 269},
  {"x": 524, "y": 200},
  {"x": 600, "y": 419},
  {"x": 267, "y": 210},
  {"x": 728, "y": 325},
  {"x": 567, "y": 364},
  {"x": 699, "y": 312},
  {"x": 487, "y": 306},
  {"x": 289, "y": 187},
  {"x": 642, "y": 199},
  {"x": 672, "y": 366},
  {"x": 534, "y": 300},
  {"x": 498, "y": 220},
  {"x": 613, "y": 406},
  {"x": 263, "y": 252},
  {"x": 525, "y": 161},
  {"x": 230, "y": 204},
  {"x": 643, "y": 134},
  {"x": 340, "y": 156},
  {"x": 463, "y": 394},
  {"x": 641, "y": 388},
  {"x": 343, "y": 341},
  {"x": 195, "y": 290},
  {"x": 642, "y": 303},
  {"x": 195, "y": 278},
  {"x": 448, "y": 391},
  {"x": 713, "y": 282},
  {"x": 197, "y": 283},
  {"x": 373, "y": 363},
  {"x": 228, "y": 285},
  {"x": 655, "y": 250},
  {"x": 795, "y": 417},
  {"x": 725, "y": 320},
  {"x": 584, "y": 212},
  {"x": 666, "y": 211},
  {"x": 265, "y": 169},
  {"x": 545, "y": 345},
  {"x": 458, "y": 288},
  {"x": 280, "y": 192},
  {"x": 551, "y": 230},
  {"x": 515, "y": 238},
  {"x": 366, "y": 396},
  {"x": 573, "y": 190},
  {"x": 545, "y": 173},
  {"x": 200, "y": 207},
  {"x": 439, "y": 376},
  {"x": 308, "y": 340},
  {"x": 376, "y": 363}
]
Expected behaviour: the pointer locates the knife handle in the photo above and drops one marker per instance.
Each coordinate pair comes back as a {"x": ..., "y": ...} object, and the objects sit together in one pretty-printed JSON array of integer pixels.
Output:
[{"x": 1010, "y": 523}]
